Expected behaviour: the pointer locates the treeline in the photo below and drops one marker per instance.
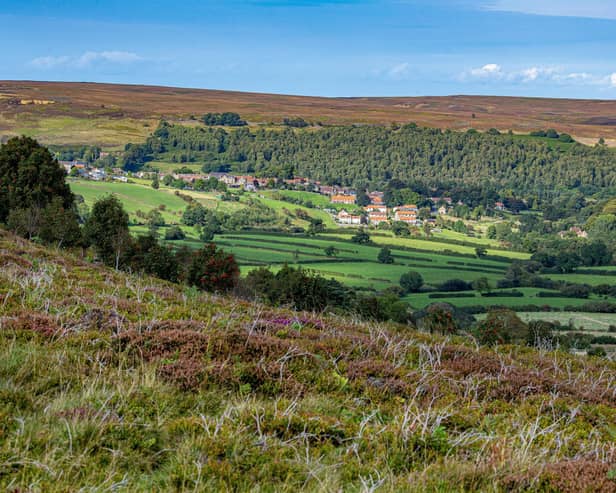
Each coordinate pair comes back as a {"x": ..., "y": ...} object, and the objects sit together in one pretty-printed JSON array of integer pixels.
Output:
[
  {"x": 36, "y": 202},
  {"x": 365, "y": 155},
  {"x": 226, "y": 119}
]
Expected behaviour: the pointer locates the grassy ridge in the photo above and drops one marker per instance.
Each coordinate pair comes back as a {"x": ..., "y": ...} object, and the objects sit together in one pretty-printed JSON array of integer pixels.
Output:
[{"x": 116, "y": 382}]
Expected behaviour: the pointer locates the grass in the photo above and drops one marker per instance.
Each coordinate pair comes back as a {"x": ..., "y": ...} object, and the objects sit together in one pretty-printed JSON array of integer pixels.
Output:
[
  {"x": 435, "y": 246},
  {"x": 85, "y": 101},
  {"x": 596, "y": 322},
  {"x": 156, "y": 387},
  {"x": 530, "y": 297},
  {"x": 109, "y": 133}
]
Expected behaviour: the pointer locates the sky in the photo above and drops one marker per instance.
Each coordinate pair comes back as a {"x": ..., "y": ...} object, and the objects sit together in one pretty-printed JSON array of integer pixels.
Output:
[{"x": 552, "y": 48}]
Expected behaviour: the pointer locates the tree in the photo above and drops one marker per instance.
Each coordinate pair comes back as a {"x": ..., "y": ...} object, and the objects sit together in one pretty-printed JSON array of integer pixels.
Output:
[
  {"x": 30, "y": 177},
  {"x": 155, "y": 183},
  {"x": 331, "y": 251},
  {"x": 107, "y": 230},
  {"x": 361, "y": 237},
  {"x": 482, "y": 284},
  {"x": 174, "y": 233},
  {"x": 481, "y": 251},
  {"x": 149, "y": 256},
  {"x": 501, "y": 327},
  {"x": 212, "y": 269},
  {"x": 362, "y": 198},
  {"x": 59, "y": 225},
  {"x": 385, "y": 256},
  {"x": 411, "y": 282}
]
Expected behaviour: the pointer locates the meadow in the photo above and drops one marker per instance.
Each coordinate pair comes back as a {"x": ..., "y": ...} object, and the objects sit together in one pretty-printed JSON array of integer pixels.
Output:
[{"x": 446, "y": 255}]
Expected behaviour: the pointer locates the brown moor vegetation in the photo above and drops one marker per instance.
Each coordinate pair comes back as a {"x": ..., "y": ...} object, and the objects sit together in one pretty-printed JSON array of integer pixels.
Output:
[
  {"x": 124, "y": 383},
  {"x": 584, "y": 119}
]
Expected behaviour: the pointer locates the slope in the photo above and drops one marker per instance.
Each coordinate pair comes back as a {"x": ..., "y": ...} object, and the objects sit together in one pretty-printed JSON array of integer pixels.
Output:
[
  {"x": 113, "y": 114},
  {"x": 124, "y": 383}
]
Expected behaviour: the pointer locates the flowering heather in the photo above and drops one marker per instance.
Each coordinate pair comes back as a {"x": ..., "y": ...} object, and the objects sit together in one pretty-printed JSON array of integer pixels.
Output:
[{"x": 115, "y": 382}]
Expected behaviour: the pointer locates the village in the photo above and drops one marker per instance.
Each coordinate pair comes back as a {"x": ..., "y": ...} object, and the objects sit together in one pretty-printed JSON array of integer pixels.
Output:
[{"x": 374, "y": 214}]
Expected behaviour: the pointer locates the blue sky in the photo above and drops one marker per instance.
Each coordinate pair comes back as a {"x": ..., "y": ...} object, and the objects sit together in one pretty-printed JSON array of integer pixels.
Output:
[{"x": 556, "y": 48}]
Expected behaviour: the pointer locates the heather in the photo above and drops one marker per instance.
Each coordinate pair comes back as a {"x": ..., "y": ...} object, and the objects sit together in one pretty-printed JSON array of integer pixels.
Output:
[{"x": 117, "y": 382}]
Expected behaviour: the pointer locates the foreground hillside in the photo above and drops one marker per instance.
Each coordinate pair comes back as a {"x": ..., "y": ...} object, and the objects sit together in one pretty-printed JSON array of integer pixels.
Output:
[
  {"x": 113, "y": 382},
  {"x": 113, "y": 114}
]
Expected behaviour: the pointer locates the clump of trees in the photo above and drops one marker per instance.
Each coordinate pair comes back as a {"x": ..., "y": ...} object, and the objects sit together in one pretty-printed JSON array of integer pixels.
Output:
[
  {"x": 228, "y": 119},
  {"x": 106, "y": 229},
  {"x": 35, "y": 200}
]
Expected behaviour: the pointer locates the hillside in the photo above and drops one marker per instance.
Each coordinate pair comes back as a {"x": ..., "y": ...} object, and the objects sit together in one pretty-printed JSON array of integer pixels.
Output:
[
  {"x": 115, "y": 382},
  {"x": 111, "y": 114}
]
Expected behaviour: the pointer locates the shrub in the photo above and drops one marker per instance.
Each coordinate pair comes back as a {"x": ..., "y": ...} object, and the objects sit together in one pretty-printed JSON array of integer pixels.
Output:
[
  {"x": 385, "y": 256},
  {"x": 211, "y": 269},
  {"x": 411, "y": 282},
  {"x": 174, "y": 233},
  {"x": 455, "y": 285},
  {"x": 501, "y": 327}
]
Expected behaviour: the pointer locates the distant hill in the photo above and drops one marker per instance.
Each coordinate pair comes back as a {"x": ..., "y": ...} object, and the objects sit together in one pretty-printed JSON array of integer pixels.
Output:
[{"x": 24, "y": 106}]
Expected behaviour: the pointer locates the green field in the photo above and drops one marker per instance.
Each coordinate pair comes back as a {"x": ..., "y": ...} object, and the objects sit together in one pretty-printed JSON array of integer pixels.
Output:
[
  {"x": 530, "y": 297},
  {"x": 594, "y": 322},
  {"x": 435, "y": 246},
  {"x": 439, "y": 259}
]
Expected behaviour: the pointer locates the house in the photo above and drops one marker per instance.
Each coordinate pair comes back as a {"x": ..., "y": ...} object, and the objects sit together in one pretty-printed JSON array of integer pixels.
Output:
[
  {"x": 499, "y": 206},
  {"x": 407, "y": 217},
  {"x": 344, "y": 217},
  {"x": 189, "y": 177},
  {"x": 376, "y": 208},
  {"x": 343, "y": 199},
  {"x": 377, "y": 218},
  {"x": 442, "y": 210},
  {"x": 121, "y": 178},
  {"x": 376, "y": 198},
  {"x": 574, "y": 231},
  {"x": 97, "y": 174},
  {"x": 407, "y": 208},
  {"x": 436, "y": 200}
]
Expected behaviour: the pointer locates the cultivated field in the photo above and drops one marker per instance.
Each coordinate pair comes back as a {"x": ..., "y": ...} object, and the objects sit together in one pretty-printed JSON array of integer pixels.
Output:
[{"x": 445, "y": 256}]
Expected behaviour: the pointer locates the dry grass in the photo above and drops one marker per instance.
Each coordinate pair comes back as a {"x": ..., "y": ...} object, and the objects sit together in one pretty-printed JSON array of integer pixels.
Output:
[
  {"x": 114, "y": 382},
  {"x": 585, "y": 119}
]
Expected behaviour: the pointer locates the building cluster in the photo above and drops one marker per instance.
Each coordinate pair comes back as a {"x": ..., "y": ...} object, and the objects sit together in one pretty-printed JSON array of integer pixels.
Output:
[
  {"x": 83, "y": 170},
  {"x": 373, "y": 214}
]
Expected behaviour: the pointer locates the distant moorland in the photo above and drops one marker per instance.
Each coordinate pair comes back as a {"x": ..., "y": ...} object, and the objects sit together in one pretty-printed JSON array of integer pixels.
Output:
[{"x": 111, "y": 114}]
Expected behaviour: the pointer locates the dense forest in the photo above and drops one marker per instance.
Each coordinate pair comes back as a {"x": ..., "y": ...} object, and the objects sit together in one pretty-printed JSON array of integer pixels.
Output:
[{"x": 359, "y": 155}]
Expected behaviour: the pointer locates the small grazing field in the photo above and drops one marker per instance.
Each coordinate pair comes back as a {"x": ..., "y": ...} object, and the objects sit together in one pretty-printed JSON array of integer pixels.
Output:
[
  {"x": 471, "y": 298},
  {"x": 134, "y": 197},
  {"x": 433, "y": 246},
  {"x": 595, "y": 322}
]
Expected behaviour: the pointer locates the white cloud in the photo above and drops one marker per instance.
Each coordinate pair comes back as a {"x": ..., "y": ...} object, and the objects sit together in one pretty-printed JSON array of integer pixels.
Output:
[
  {"x": 538, "y": 74},
  {"x": 491, "y": 70},
  {"x": 399, "y": 71},
  {"x": 49, "y": 61},
  {"x": 87, "y": 59}
]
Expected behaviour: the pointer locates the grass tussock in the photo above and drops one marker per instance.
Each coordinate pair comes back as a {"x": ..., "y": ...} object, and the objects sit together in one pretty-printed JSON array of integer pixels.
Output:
[{"x": 113, "y": 382}]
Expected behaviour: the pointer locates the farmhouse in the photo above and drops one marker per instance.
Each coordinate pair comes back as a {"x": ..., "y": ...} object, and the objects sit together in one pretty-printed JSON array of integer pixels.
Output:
[
  {"x": 407, "y": 208},
  {"x": 343, "y": 199},
  {"x": 344, "y": 217},
  {"x": 376, "y": 198},
  {"x": 377, "y": 218},
  {"x": 408, "y": 217},
  {"x": 376, "y": 208}
]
